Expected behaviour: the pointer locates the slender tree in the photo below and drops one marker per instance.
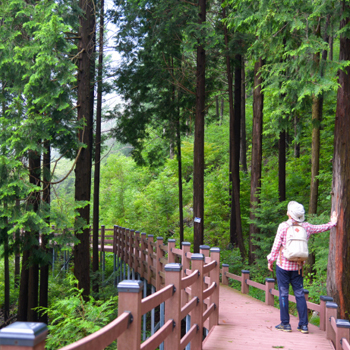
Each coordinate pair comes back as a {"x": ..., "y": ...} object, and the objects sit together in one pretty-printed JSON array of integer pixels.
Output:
[
  {"x": 98, "y": 148},
  {"x": 256, "y": 163},
  {"x": 83, "y": 163},
  {"x": 198, "y": 155}
]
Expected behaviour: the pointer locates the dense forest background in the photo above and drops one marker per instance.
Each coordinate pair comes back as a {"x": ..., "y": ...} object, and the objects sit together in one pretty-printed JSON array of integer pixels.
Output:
[{"x": 228, "y": 110}]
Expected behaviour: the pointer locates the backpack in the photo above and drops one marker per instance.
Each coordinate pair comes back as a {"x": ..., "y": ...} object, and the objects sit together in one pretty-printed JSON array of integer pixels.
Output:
[{"x": 296, "y": 244}]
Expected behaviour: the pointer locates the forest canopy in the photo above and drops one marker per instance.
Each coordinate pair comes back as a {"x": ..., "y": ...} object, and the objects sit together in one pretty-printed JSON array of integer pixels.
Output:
[{"x": 228, "y": 110}]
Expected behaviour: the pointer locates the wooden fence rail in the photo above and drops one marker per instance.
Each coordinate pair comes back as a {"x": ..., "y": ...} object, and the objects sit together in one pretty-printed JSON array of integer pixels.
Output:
[{"x": 188, "y": 290}]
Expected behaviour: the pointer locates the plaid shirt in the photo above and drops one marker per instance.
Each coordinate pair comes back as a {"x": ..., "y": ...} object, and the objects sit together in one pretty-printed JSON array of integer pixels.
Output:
[{"x": 280, "y": 240}]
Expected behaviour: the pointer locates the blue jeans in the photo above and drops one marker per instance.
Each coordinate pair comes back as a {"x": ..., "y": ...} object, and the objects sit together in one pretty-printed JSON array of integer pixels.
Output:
[{"x": 284, "y": 278}]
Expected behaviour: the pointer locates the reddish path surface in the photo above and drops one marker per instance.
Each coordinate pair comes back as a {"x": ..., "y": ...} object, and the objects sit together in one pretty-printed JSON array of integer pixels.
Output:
[{"x": 246, "y": 323}]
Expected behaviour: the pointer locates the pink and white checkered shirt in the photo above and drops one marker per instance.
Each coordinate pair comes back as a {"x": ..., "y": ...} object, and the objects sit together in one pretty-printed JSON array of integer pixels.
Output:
[{"x": 280, "y": 240}]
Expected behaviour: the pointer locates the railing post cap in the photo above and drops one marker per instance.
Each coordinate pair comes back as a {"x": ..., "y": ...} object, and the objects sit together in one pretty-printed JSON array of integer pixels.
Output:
[
  {"x": 186, "y": 243},
  {"x": 245, "y": 271},
  {"x": 331, "y": 305},
  {"x": 215, "y": 250},
  {"x": 204, "y": 247},
  {"x": 131, "y": 230},
  {"x": 326, "y": 298},
  {"x": 150, "y": 236},
  {"x": 103, "y": 225},
  {"x": 130, "y": 286},
  {"x": 342, "y": 323},
  {"x": 23, "y": 334},
  {"x": 143, "y": 233},
  {"x": 225, "y": 265},
  {"x": 159, "y": 238},
  {"x": 269, "y": 280},
  {"x": 306, "y": 291},
  {"x": 137, "y": 232},
  {"x": 173, "y": 267},
  {"x": 197, "y": 256},
  {"x": 171, "y": 240}
]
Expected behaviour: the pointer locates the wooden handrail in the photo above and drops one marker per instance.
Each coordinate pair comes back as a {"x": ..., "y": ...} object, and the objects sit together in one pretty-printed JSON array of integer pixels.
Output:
[
  {"x": 207, "y": 268},
  {"x": 187, "y": 281},
  {"x": 105, "y": 336},
  {"x": 152, "y": 342},
  {"x": 153, "y": 300}
]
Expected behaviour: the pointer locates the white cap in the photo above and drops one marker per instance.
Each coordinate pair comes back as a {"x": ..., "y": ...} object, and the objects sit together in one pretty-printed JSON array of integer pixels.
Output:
[{"x": 296, "y": 211}]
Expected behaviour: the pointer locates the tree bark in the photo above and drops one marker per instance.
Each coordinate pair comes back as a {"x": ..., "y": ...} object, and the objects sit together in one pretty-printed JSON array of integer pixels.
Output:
[
  {"x": 179, "y": 163},
  {"x": 198, "y": 166},
  {"x": 338, "y": 278},
  {"x": 96, "y": 214},
  {"x": 243, "y": 147},
  {"x": 282, "y": 166},
  {"x": 33, "y": 279},
  {"x": 6, "y": 270},
  {"x": 256, "y": 163},
  {"x": 44, "y": 268},
  {"x": 235, "y": 126},
  {"x": 83, "y": 165}
]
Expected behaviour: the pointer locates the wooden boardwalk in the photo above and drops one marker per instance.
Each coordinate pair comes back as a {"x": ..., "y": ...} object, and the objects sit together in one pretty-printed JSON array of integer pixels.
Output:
[{"x": 246, "y": 323}]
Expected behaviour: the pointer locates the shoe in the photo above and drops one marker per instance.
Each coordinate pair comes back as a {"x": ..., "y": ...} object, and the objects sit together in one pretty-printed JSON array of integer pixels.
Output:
[
  {"x": 303, "y": 329},
  {"x": 284, "y": 327}
]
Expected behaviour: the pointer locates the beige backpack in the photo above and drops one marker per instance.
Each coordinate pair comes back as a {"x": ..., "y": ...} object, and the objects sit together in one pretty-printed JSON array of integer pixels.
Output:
[{"x": 296, "y": 244}]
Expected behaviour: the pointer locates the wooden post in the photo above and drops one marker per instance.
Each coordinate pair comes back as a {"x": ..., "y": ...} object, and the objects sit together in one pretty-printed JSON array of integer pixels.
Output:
[
  {"x": 323, "y": 300},
  {"x": 224, "y": 278},
  {"x": 122, "y": 243},
  {"x": 23, "y": 335},
  {"x": 204, "y": 249},
  {"x": 173, "y": 305},
  {"x": 269, "y": 298},
  {"x": 197, "y": 291},
  {"x": 244, "y": 285},
  {"x": 171, "y": 255},
  {"x": 159, "y": 253},
  {"x": 331, "y": 311},
  {"x": 137, "y": 261},
  {"x": 215, "y": 277},
  {"x": 150, "y": 258},
  {"x": 185, "y": 261},
  {"x": 130, "y": 250},
  {"x": 130, "y": 295},
  {"x": 343, "y": 328},
  {"x": 306, "y": 294},
  {"x": 143, "y": 255}
]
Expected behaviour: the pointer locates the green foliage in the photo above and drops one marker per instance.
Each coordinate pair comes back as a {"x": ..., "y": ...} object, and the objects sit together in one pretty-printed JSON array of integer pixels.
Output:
[{"x": 72, "y": 318}]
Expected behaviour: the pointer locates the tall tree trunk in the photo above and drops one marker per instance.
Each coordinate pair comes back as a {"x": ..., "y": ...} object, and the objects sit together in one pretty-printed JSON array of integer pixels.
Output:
[
  {"x": 33, "y": 280},
  {"x": 198, "y": 164},
  {"x": 96, "y": 214},
  {"x": 83, "y": 165},
  {"x": 243, "y": 147},
  {"x": 235, "y": 126},
  {"x": 23, "y": 287},
  {"x": 256, "y": 163},
  {"x": 282, "y": 166},
  {"x": 233, "y": 236},
  {"x": 179, "y": 163},
  {"x": 338, "y": 273},
  {"x": 217, "y": 108},
  {"x": 6, "y": 270},
  {"x": 296, "y": 144},
  {"x": 44, "y": 268}
]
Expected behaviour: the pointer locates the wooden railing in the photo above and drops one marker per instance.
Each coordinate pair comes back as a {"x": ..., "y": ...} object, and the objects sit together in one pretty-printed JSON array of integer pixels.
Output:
[
  {"x": 337, "y": 330},
  {"x": 188, "y": 290}
]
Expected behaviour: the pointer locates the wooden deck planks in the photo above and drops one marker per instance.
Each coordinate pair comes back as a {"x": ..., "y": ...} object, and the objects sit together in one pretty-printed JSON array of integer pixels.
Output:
[{"x": 246, "y": 323}]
